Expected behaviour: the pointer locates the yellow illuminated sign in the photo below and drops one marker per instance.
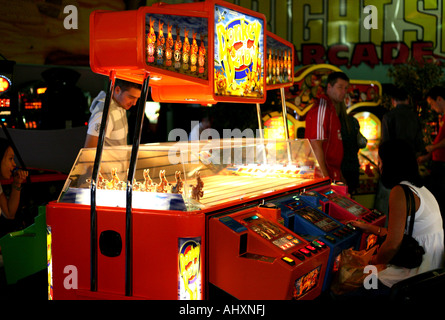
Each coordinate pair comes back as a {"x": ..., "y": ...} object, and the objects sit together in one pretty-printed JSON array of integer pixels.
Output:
[{"x": 5, "y": 84}]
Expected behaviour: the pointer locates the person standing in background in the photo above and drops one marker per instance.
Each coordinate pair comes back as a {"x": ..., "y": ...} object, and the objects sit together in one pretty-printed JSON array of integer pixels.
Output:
[
  {"x": 353, "y": 141},
  {"x": 436, "y": 151},
  {"x": 323, "y": 127},
  {"x": 402, "y": 123},
  {"x": 205, "y": 123},
  {"x": 125, "y": 95}
]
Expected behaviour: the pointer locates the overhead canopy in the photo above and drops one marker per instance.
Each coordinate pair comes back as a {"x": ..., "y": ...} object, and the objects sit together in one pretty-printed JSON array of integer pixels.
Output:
[{"x": 202, "y": 52}]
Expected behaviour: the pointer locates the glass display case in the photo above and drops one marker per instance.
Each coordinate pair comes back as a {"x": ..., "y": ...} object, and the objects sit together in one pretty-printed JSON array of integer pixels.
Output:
[{"x": 196, "y": 175}]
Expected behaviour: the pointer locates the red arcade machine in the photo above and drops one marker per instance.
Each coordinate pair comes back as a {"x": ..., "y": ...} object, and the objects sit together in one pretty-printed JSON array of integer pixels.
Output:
[
  {"x": 260, "y": 259},
  {"x": 251, "y": 255},
  {"x": 335, "y": 201},
  {"x": 129, "y": 213}
]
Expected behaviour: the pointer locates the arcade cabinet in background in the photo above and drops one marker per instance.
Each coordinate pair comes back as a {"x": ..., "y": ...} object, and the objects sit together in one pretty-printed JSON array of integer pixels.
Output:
[
  {"x": 63, "y": 103},
  {"x": 8, "y": 103},
  {"x": 30, "y": 104}
]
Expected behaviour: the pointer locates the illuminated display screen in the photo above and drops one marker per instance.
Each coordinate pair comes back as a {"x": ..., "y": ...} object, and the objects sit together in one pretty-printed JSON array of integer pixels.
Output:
[
  {"x": 33, "y": 105},
  {"x": 239, "y": 54},
  {"x": 315, "y": 217},
  {"x": 177, "y": 43},
  {"x": 307, "y": 282},
  {"x": 345, "y": 203},
  {"x": 5, "y": 103},
  {"x": 271, "y": 232}
]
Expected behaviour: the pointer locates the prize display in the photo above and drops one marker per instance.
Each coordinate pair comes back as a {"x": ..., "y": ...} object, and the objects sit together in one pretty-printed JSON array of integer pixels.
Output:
[
  {"x": 205, "y": 52},
  {"x": 280, "y": 62},
  {"x": 186, "y": 176}
]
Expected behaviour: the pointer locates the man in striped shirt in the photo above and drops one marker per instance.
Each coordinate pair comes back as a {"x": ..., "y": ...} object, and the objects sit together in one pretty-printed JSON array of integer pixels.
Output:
[
  {"x": 323, "y": 127},
  {"x": 125, "y": 96}
]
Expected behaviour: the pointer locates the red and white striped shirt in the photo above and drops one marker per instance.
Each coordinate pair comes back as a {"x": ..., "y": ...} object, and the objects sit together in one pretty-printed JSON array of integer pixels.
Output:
[{"x": 322, "y": 123}]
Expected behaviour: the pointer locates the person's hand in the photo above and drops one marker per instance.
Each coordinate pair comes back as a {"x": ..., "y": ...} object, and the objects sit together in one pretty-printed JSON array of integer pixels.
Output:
[
  {"x": 424, "y": 158},
  {"x": 430, "y": 148},
  {"x": 20, "y": 176},
  {"x": 361, "y": 225}
]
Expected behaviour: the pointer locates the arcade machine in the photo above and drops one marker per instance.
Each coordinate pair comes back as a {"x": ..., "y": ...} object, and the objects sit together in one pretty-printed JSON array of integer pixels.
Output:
[
  {"x": 364, "y": 103},
  {"x": 370, "y": 126},
  {"x": 315, "y": 226},
  {"x": 138, "y": 211},
  {"x": 23, "y": 239},
  {"x": 30, "y": 103},
  {"x": 42, "y": 185},
  {"x": 260, "y": 259},
  {"x": 335, "y": 201},
  {"x": 40, "y": 101},
  {"x": 7, "y": 100},
  {"x": 255, "y": 242}
]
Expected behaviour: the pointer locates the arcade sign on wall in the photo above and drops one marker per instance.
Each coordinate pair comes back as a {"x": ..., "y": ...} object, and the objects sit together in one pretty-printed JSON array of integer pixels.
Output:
[{"x": 352, "y": 33}]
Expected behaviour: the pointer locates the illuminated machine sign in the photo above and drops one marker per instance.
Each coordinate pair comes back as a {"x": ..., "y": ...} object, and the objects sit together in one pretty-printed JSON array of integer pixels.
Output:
[
  {"x": 182, "y": 48},
  {"x": 5, "y": 84},
  {"x": 190, "y": 275},
  {"x": 239, "y": 58},
  {"x": 49, "y": 262},
  {"x": 279, "y": 62},
  {"x": 6, "y": 74},
  {"x": 307, "y": 282},
  {"x": 201, "y": 52}
]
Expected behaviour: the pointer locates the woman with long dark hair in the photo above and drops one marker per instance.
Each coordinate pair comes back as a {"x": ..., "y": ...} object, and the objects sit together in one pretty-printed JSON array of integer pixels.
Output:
[
  {"x": 398, "y": 165},
  {"x": 8, "y": 169}
]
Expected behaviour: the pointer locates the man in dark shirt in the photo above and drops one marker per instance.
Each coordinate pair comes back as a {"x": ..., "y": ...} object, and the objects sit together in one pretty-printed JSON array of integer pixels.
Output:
[{"x": 402, "y": 122}]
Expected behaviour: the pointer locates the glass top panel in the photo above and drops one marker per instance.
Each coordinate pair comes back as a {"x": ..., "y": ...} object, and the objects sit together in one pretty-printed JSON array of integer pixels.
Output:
[{"x": 193, "y": 175}]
